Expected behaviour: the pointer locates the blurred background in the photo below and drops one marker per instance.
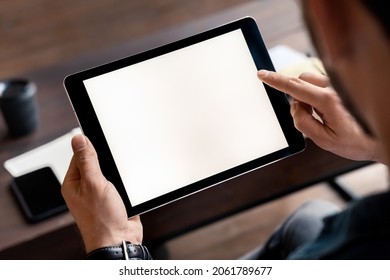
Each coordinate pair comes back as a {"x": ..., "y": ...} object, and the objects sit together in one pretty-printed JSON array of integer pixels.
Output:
[{"x": 42, "y": 32}]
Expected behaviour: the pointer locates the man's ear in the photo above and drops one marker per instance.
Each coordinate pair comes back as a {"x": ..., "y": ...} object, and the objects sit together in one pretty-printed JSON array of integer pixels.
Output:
[{"x": 331, "y": 24}]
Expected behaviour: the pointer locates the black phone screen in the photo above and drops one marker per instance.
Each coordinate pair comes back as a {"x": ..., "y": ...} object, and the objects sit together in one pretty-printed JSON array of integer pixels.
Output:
[{"x": 39, "y": 194}]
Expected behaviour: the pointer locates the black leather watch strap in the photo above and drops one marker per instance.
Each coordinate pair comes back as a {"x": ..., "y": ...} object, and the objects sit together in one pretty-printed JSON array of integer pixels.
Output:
[{"x": 125, "y": 251}]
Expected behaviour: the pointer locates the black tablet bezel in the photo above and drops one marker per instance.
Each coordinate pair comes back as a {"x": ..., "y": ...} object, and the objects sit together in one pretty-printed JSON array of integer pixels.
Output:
[{"x": 91, "y": 128}]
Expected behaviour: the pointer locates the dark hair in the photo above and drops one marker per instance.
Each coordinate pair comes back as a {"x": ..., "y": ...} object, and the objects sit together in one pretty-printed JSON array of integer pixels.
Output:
[{"x": 379, "y": 10}]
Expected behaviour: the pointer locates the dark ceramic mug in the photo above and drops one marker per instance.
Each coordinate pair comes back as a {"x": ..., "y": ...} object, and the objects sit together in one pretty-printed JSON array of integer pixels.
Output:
[{"x": 19, "y": 106}]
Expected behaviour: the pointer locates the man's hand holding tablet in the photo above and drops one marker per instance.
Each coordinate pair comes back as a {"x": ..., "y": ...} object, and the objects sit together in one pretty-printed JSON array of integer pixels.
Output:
[{"x": 183, "y": 117}]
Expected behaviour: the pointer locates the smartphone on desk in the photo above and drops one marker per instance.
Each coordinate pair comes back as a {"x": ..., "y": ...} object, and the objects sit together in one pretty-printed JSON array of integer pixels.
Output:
[{"x": 39, "y": 194}]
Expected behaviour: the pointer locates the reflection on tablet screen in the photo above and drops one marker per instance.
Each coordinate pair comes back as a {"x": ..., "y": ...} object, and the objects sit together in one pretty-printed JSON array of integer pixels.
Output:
[{"x": 183, "y": 116}]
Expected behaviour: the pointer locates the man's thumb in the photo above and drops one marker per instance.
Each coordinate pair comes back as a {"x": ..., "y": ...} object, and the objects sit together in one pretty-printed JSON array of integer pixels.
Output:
[{"x": 85, "y": 156}]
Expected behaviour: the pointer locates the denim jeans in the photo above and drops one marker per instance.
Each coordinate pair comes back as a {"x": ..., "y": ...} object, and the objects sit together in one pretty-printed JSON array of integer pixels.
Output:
[{"x": 301, "y": 227}]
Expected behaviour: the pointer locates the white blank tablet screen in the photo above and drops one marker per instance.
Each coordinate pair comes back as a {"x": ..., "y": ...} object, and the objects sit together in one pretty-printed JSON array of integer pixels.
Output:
[{"x": 184, "y": 116}]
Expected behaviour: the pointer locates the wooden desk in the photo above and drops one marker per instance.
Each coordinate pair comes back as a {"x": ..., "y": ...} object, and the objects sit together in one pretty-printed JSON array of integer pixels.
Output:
[{"x": 280, "y": 23}]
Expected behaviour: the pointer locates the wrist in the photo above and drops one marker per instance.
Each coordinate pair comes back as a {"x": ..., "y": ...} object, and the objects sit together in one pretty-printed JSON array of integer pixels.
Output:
[
  {"x": 97, "y": 239},
  {"x": 93, "y": 241}
]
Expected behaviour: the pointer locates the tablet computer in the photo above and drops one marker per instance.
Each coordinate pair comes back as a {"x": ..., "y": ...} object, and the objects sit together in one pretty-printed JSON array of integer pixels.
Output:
[{"x": 177, "y": 119}]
